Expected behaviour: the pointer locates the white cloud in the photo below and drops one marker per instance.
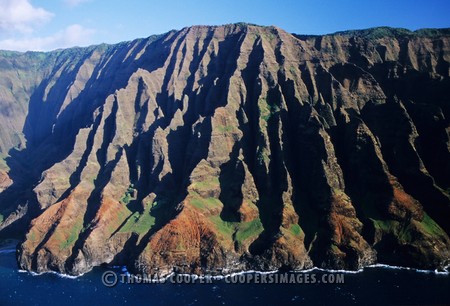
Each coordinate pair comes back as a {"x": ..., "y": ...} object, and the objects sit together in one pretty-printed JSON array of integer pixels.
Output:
[
  {"x": 73, "y": 35},
  {"x": 21, "y": 16},
  {"x": 73, "y": 3}
]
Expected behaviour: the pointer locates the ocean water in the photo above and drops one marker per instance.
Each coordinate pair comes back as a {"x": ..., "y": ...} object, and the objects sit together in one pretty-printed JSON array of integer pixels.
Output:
[{"x": 373, "y": 286}]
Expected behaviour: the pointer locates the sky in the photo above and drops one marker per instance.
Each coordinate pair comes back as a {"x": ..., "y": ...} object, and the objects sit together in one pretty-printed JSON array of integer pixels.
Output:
[{"x": 52, "y": 24}]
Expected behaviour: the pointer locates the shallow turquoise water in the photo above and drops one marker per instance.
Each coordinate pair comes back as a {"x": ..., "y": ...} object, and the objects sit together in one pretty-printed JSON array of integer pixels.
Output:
[{"x": 373, "y": 286}]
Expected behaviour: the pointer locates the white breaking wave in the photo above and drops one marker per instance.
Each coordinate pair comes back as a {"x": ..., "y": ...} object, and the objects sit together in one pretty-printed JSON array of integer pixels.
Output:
[
  {"x": 55, "y": 273},
  {"x": 410, "y": 269},
  {"x": 221, "y": 277}
]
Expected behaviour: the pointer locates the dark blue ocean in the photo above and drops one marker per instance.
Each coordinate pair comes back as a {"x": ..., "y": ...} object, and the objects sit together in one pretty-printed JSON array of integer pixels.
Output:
[{"x": 373, "y": 286}]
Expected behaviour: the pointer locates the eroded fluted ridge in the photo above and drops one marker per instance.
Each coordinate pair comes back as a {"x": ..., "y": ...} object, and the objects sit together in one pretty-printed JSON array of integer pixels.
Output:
[{"x": 215, "y": 149}]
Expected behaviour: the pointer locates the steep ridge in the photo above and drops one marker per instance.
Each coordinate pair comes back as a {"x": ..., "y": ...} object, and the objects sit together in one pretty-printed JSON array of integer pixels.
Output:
[{"x": 216, "y": 149}]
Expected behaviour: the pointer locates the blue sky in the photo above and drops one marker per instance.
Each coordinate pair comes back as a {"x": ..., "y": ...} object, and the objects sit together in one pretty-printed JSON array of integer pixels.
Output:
[{"x": 51, "y": 24}]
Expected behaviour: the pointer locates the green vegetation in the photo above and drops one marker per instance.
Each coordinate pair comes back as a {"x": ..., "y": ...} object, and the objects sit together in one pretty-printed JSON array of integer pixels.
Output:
[
  {"x": 248, "y": 230},
  {"x": 128, "y": 196},
  {"x": 223, "y": 227},
  {"x": 376, "y": 33},
  {"x": 139, "y": 223},
  {"x": 70, "y": 240},
  {"x": 5, "y": 53},
  {"x": 1, "y": 218},
  {"x": 387, "y": 32},
  {"x": 240, "y": 232},
  {"x": 402, "y": 232},
  {"x": 245, "y": 24},
  {"x": 384, "y": 225},
  {"x": 206, "y": 185},
  {"x": 264, "y": 109},
  {"x": 73, "y": 234},
  {"x": 225, "y": 128},
  {"x": 431, "y": 227},
  {"x": 267, "y": 109},
  {"x": 274, "y": 108},
  {"x": 31, "y": 236},
  {"x": 432, "y": 32},
  {"x": 270, "y": 36},
  {"x": 335, "y": 248},
  {"x": 202, "y": 203},
  {"x": 295, "y": 229}
]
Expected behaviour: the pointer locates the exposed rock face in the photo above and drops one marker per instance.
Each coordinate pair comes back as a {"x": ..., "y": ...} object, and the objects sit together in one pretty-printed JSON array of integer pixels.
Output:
[{"x": 214, "y": 149}]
